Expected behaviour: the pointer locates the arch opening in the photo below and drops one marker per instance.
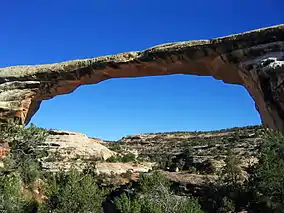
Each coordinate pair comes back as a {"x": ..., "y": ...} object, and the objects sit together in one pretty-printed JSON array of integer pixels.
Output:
[
  {"x": 126, "y": 106},
  {"x": 252, "y": 59}
]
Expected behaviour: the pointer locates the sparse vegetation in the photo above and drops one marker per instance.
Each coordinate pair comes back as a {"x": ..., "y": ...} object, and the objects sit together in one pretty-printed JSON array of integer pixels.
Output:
[
  {"x": 25, "y": 186},
  {"x": 129, "y": 157},
  {"x": 155, "y": 196},
  {"x": 114, "y": 146}
]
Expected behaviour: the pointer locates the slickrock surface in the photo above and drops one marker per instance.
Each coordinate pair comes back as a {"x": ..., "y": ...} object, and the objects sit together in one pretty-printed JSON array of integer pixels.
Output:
[
  {"x": 254, "y": 59},
  {"x": 120, "y": 168},
  {"x": 68, "y": 148}
]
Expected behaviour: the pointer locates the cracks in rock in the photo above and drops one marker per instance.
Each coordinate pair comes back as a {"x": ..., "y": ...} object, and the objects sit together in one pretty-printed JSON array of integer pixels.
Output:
[
  {"x": 266, "y": 84},
  {"x": 266, "y": 73},
  {"x": 270, "y": 81}
]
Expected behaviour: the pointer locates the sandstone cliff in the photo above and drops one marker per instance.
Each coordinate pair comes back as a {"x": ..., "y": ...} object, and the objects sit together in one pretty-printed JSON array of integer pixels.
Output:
[
  {"x": 254, "y": 59},
  {"x": 73, "y": 149}
]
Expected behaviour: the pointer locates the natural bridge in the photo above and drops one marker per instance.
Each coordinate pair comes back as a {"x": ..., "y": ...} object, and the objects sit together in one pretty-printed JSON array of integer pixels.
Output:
[{"x": 254, "y": 59}]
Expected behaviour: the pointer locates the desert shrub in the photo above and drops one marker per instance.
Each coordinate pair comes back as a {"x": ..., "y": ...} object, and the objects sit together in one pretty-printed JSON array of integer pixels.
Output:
[
  {"x": 158, "y": 197},
  {"x": 127, "y": 174},
  {"x": 129, "y": 157},
  {"x": 21, "y": 166},
  {"x": 65, "y": 192},
  {"x": 155, "y": 196},
  {"x": 72, "y": 192},
  {"x": 114, "y": 159},
  {"x": 231, "y": 173},
  {"x": 183, "y": 161},
  {"x": 11, "y": 196},
  {"x": 114, "y": 146},
  {"x": 264, "y": 191},
  {"x": 192, "y": 170},
  {"x": 227, "y": 205},
  {"x": 206, "y": 167},
  {"x": 31, "y": 172},
  {"x": 162, "y": 161},
  {"x": 148, "y": 181},
  {"x": 127, "y": 205},
  {"x": 26, "y": 149},
  {"x": 267, "y": 181}
]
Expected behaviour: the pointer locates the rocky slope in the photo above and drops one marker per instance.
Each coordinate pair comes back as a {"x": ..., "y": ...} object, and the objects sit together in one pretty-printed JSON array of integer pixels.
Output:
[
  {"x": 254, "y": 59},
  {"x": 213, "y": 146},
  {"x": 71, "y": 149},
  {"x": 153, "y": 151},
  {"x": 75, "y": 149}
]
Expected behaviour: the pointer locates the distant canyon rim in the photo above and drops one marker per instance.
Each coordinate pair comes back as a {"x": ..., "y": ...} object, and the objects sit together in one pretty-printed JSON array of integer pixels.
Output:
[{"x": 254, "y": 59}]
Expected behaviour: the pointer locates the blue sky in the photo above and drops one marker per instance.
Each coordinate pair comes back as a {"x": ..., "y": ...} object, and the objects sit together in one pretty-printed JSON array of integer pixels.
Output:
[{"x": 36, "y": 32}]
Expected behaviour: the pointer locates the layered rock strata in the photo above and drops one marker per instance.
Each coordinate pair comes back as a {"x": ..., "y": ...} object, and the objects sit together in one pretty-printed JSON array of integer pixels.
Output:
[{"x": 253, "y": 59}]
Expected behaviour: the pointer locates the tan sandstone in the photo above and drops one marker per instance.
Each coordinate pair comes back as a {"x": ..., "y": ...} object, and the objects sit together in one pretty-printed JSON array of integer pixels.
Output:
[
  {"x": 254, "y": 59},
  {"x": 73, "y": 144}
]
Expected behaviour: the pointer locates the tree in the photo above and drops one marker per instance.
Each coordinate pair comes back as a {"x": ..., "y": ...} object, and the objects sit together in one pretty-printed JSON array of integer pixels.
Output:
[
  {"x": 26, "y": 149},
  {"x": 155, "y": 196},
  {"x": 268, "y": 179},
  {"x": 231, "y": 173},
  {"x": 227, "y": 206},
  {"x": 125, "y": 204},
  {"x": 11, "y": 199},
  {"x": 72, "y": 191}
]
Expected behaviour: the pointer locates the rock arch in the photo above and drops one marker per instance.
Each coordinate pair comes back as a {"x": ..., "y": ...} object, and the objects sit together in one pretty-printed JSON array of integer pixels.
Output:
[{"x": 254, "y": 59}]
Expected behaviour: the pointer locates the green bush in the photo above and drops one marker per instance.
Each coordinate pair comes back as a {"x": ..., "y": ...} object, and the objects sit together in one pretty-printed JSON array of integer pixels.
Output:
[
  {"x": 127, "y": 174},
  {"x": 231, "y": 173},
  {"x": 21, "y": 166},
  {"x": 268, "y": 177},
  {"x": 26, "y": 149},
  {"x": 64, "y": 191},
  {"x": 11, "y": 197},
  {"x": 114, "y": 146},
  {"x": 72, "y": 192},
  {"x": 227, "y": 206},
  {"x": 129, "y": 157},
  {"x": 155, "y": 196},
  {"x": 127, "y": 205}
]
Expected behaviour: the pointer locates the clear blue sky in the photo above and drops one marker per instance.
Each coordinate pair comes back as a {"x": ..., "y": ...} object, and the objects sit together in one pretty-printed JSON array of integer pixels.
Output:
[{"x": 36, "y": 32}]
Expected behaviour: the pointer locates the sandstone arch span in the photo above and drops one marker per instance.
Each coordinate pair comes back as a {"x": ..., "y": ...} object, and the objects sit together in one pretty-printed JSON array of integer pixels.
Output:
[{"x": 254, "y": 59}]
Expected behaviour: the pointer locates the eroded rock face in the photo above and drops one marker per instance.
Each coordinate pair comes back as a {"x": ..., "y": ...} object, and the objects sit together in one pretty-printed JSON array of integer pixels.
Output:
[
  {"x": 68, "y": 149},
  {"x": 253, "y": 59},
  {"x": 72, "y": 144}
]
